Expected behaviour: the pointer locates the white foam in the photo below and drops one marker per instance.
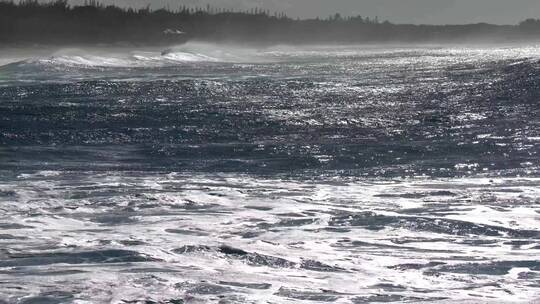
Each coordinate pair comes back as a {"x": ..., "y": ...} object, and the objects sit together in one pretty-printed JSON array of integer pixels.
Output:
[
  {"x": 154, "y": 60},
  {"x": 123, "y": 58},
  {"x": 222, "y": 207}
]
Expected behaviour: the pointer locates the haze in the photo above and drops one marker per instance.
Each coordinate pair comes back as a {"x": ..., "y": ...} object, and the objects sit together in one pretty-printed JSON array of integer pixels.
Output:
[{"x": 398, "y": 11}]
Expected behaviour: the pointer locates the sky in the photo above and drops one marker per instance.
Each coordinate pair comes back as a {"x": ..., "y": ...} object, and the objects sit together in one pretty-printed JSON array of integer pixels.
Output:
[{"x": 398, "y": 11}]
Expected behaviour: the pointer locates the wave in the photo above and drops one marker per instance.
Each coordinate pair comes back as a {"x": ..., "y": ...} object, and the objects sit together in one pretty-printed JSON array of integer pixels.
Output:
[
  {"x": 199, "y": 52},
  {"x": 135, "y": 60},
  {"x": 189, "y": 53},
  {"x": 120, "y": 58}
]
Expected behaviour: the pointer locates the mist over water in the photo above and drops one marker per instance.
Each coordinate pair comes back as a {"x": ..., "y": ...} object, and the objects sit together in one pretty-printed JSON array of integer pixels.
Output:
[{"x": 221, "y": 173}]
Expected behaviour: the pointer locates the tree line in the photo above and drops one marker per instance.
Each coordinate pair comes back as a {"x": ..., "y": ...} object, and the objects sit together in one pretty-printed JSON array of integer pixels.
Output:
[{"x": 57, "y": 22}]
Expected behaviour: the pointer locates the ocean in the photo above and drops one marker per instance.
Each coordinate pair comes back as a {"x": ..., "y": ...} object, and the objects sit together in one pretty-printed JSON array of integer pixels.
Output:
[{"x": 210, "y": 173}]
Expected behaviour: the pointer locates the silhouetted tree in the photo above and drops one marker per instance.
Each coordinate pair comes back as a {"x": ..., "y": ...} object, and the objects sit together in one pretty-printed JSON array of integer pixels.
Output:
[{"x": 32, "y": 21}]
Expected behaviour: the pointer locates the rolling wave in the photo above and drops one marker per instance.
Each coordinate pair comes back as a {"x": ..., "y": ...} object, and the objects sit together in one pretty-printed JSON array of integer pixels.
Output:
[
  {"x": 120, "y": 58},
  {"x": 197, "y": 52},
  {"x": 146, "y": 59}
]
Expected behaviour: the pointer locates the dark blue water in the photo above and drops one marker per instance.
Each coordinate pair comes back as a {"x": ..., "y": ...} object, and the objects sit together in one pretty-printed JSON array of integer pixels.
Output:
[{"x": 220, "y": 174}]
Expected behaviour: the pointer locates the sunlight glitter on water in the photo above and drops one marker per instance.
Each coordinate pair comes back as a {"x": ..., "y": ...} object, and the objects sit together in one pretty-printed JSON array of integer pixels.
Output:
[{"x": 284, "y": 175}]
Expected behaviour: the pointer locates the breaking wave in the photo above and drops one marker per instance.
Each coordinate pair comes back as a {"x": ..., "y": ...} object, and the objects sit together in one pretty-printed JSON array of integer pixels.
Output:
[
  {"x": 198, "y": 52},
  {"x": 134, "y": 60}
]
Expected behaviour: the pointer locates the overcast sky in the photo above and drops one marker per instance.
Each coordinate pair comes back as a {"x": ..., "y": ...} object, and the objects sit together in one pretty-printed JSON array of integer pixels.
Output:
[{"x": 399, "y": 11}]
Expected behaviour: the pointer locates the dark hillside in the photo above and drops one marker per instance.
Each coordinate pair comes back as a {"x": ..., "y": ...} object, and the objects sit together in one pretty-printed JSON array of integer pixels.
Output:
[{"x": 57, "y": 22}]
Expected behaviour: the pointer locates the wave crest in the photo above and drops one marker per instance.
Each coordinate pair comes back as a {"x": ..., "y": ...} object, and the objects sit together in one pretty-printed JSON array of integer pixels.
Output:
[{"x": 136, "y": 60}]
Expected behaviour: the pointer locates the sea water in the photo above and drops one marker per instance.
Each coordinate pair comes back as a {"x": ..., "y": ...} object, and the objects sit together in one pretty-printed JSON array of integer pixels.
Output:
[{"x": 228, "y": 174}]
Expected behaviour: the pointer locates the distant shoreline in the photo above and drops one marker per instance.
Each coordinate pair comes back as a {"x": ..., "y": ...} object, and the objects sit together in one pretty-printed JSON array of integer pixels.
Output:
[{"x": 57, "y": 23}]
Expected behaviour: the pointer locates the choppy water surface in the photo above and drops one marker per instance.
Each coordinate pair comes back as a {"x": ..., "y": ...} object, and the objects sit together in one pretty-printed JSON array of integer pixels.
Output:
[{"x": 276, "y": 175}]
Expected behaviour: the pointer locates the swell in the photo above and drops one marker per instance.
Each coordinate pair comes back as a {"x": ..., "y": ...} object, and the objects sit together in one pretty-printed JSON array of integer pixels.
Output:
[
  {"x": 138, "y": 60},
  {"x": 466, "y": 121}
]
